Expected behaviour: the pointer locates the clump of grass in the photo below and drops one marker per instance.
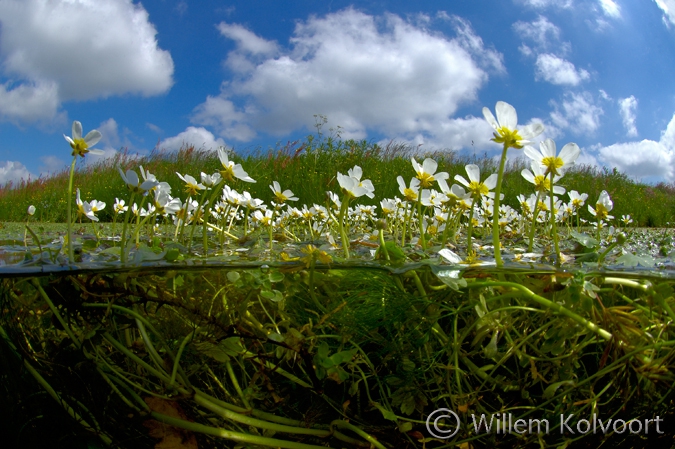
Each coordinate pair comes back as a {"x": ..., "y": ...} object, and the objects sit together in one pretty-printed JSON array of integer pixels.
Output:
[{"x": 308, "y": 167}]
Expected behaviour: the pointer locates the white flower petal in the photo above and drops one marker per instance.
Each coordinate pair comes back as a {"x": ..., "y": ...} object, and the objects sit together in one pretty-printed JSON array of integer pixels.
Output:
[
  {"x": 490, "y": 118},
  {"x": 491, "y": 181},
  {"x": 506, "y": 115},
  {"x": 473, "y": 171},
  {"x": 77, "y": 130}
]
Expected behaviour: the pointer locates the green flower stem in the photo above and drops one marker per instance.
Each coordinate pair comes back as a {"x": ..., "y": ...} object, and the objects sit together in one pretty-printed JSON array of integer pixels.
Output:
[
  {"x": 554, "y": 228},
  {"x": 345, "y": 425},
  {"x": 469, "y": 231},
  {"x": 222, "y": 231},
  {"x": 255, "y": 422},
  {"x": 495, "y": 211},
  {"x": 124, "y": 350},
  {"x": 36, "y": 239},
  {"x": 200, "y": 207},
  {"x": 382, "y": 244},
  {"x": 601, "y": 257},
  {"x": 312, "y": 294},
  {"x": 230, "y": 435},
  {"x": 548, "y": 304},
  {"x": 181, "y": 225},
  {"x": 343, "y": 233},
  {"x": 69, "y": 213},
  {"x": 407, "y": 216},
  {"x": 123, "y": 250},
  {"x": 420, "y": 217},
  {"x": 188, "y": 338},
  {"x": 533, "y": 227},
  {"x": 56, "y": 313},
  {"x": 647, "y": 288},
  {"x": 215, "y": 190},
  {"x": 235, "y": 383},
  {"x": 116, "y": 390}
]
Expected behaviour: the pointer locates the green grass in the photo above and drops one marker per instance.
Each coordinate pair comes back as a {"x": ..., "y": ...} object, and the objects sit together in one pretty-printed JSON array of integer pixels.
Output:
[{"x": 308, "y": 167}]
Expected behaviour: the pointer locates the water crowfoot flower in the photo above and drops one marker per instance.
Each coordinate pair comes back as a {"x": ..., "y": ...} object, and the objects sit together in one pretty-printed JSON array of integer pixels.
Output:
[
  {"x": 477, "y": 189},
  {"x": 80, "y": 146},
  {"x": 547, "y": 158},
  {"x": 506, "y": 133},
  {"x": 352, "y": 187},
  {"x": 231, "y": 170},
  {"x": 426, "y": 173},
  {"x": 602, "y": 209},
  {"x": 282, "y": 196}
]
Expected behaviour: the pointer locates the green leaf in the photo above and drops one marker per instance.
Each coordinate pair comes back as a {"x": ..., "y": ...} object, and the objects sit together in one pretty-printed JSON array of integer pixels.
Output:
[
  {"x": 233, "y": 276},
  {"x": 211, "y": 350},
  {"x": 632, "y": 260},
  {"x": 276, "y": 276},
  {"x": 551, "y": 389},
  {"x": 584, "y": 239},
  {"x": 451, "y": 278},
  {"x": 386, "y": 414},
  {"x": 172, "y": 255}
]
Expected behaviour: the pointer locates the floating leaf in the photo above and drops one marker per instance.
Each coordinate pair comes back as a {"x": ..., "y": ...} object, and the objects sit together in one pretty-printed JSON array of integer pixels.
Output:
[{"x": 632, "y": 260}]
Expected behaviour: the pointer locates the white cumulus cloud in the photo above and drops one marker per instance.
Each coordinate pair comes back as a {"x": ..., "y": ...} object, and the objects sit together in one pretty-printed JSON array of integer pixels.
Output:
[
  {"x": 627, "y": 108},
  {"x": 556, "y": 70},
  {"x": 668, "y": 8},
  {"x": 14, "y": 171},
  {"x": 55, "y": 51},
  {"x": 200, "y": 138},
  {"x": 544, "y": 34},
  {"x": 610, "y": 8},
  {"x": 362, "y": 72},
  {"x": 646, "y": 158},
  {"x": 577, "y": 112}
]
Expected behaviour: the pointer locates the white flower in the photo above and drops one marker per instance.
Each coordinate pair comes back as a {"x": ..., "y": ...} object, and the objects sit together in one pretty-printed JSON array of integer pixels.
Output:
[
  {"x": 577, "y": 199},
  {"x": 119, "y": 206},
  {"x": 547, "y": 158},
  {"x": 81, "y": 146},
  {"x": 210, "y": 180},
  {"x": 280, "y": 196},
  {"x": 31, "y": 210},
  {"x": 474, "y": 185},
  {"x": 353, "y": 186},
  {"x": 506, "y": 124},
  {"x": 230, "y": 169},
  {"x": 191, "y": 185},
  {"x": 132, "y": 181},
  {"x": 84, "y": 208},
  {"x": 410, "y": 193},
  {"x": 542, "y": 183},
  {"x": 426, "y": 172},
  {"x": 602, "y": 207}
]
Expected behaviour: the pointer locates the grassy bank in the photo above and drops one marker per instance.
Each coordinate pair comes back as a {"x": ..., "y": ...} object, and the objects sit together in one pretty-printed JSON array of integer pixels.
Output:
[{"x": 308, "y": 168}]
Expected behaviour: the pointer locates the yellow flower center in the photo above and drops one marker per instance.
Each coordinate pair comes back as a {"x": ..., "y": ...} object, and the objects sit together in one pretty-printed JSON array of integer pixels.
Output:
[
  {"x": 410, "y": 194},
  {"x": 552, "y": 164},
  {"x": 79, "y": 147},
  {"x": 280, "y": 197},
  {"x": 228, "y": 173},
  {"x": 191, "y": 189},
  {"x": 542, "y": 183},
  {"x": 425, "y": 179},
  {"x": 601, "y": 211},
  {"x": 477, "y": 189},
  {"x": 509, "y": 137}
]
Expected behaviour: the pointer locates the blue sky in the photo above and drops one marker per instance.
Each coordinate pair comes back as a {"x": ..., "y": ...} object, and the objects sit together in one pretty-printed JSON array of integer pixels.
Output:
[{"x": 249, "y": 74}]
